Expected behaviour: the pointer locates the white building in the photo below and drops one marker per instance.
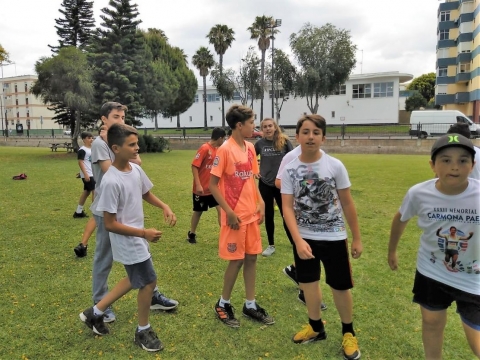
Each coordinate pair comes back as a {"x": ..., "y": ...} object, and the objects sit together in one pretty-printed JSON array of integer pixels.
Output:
[{"x": 363, "y": 99}]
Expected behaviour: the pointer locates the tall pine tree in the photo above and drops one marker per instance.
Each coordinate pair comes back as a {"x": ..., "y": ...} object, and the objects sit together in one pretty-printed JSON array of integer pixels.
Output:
[{"x": 118, "y": 56}]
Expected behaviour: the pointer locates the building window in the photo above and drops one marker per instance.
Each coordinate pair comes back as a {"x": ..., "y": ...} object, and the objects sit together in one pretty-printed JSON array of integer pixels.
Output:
[
  {"x": 190, "y": 118},
  {"x": 16, "y": 102},
  {"x": 384, "y": 89},
  {"x": 361, "y": 91},
  {"x": 443, "y": 34},
  {"x": 279, "y": 94},
  {"x": 213, "y": 97},
  {"x": 28, "y": 114},
  {"x": 18, "y": 114},
  {"x": 26, "y": 88},
  {"x": 441, "y": 89},
  {"x": 236, "y": 96},
  {"x": 16, "y": 90},
  {"x": 464, "y": 67},
  {"x": 26, "y": 101},
  {"x": 341, "y": 90},
  {"x": 196, "y": 98},
  {"x": 333, "y": 114},
  {"x": 445, "y": 16},
  {"x": 442, "y": 72}
]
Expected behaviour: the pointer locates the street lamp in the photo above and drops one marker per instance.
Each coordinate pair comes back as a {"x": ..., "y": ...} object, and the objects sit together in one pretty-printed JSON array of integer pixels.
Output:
[{"x": 277, "y": 23}]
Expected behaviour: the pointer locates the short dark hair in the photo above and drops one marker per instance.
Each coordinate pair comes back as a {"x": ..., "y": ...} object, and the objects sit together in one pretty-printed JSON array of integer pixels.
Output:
[
  {"x": 107, "y": 108},
  {"x": 86, "y": 134},
  {"x": 238, "y": 113},
  {"x": 117, "y": 133},
  {"x": 318, "y": 120},
  {"x": 460, "y": 128},
  {"x": 218, "y": 133}
]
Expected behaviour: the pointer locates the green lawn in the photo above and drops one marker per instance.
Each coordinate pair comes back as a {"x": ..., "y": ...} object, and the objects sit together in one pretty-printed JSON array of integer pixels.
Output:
[{"x": 44, "y": 287}]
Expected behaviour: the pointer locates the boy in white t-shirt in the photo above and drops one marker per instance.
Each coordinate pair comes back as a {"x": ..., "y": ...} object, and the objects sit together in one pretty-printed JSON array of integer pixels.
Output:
[
  {"x": 121, "y": 192},
  {"x": 315, "y": 191},
  {"x": 448, "y": 259},
  {"x": 84, "y": 157}
]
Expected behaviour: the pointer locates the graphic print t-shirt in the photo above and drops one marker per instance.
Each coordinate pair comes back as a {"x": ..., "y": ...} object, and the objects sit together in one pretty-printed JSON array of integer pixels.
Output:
[
  {"x": 451, "y": 228},
  {"x": 85, "y": 154},
  {"x": 203, "y": 161},
  {"x": 236, "y": 167},
  {"x": 270, "y": 159},
  {"x": 316, "y": 203}
]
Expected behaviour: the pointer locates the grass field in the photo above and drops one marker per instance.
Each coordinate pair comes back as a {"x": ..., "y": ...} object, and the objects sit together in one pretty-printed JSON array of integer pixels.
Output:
[{"x": 44, "y": 287}]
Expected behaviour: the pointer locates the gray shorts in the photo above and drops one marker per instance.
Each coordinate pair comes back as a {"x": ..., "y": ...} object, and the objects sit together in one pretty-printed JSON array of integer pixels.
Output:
[{"x": 141, "y": 274}]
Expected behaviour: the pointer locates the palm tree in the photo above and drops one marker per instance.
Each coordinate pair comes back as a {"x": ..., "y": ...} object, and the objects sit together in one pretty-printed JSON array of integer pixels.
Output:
[
  {"x": 262, "y": 29},
  {"x": 221, "y": 37},
  {"x": 203, "y": 61}
]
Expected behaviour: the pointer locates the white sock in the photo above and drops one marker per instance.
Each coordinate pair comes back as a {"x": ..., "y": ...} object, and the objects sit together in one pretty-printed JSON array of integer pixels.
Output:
[
  {"x": 79, "y": 209},
  {"x": 222, "y": 301},
  {"x": 96, "y": 311},
  {"x": 140, "y": 328},
  {"x": 251, "y": 304}
]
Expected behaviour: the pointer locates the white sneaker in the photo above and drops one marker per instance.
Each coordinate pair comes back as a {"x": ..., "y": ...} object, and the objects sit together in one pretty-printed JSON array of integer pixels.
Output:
[{"x": 269, "y": 250}]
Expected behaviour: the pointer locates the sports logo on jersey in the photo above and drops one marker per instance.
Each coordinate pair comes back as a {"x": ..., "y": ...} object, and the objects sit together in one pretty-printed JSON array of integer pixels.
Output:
[
  {"x": 231, "y": 247},
  {"x": 216, "y": 161},
  {"x": 197, "y": 156}
]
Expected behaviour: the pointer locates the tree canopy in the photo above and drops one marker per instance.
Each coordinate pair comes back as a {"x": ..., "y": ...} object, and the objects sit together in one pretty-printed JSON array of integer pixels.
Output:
[
  {"x": 425, "y": 85},
  {"x": 415, "y": 102},
  {"x": 4, "y": 56},
  {"x": 203, "y": 61},
  {"x": 326, "y": 57}
]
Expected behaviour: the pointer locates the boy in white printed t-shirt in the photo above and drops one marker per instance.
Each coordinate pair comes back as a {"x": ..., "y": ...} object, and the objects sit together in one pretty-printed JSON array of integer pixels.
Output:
[
  {"x": 84, "y": 156},
  {"x": 448, "y": 260},
  {"x": 121, "y": 192}
]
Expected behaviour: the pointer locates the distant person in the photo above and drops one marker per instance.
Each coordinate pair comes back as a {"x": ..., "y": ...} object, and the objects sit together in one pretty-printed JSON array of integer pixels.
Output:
[
  {"x": 201, "y": 167},
  {"x": 271, "y": 149},
  {"x": 84, "y": 157},
  {"x": 464, "y": 129},
  {"x": 448, "y": 259},
  {"x": 233, "y": 185},
  {"x": 316, "y": 198},
  {"x": 123, "y": 187}
]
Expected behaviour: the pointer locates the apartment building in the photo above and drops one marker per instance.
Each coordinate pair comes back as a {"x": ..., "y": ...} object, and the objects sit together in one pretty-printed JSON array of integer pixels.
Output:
[
  {"x": 458, "y": 61},
  {"x": 19, "y": 107}
]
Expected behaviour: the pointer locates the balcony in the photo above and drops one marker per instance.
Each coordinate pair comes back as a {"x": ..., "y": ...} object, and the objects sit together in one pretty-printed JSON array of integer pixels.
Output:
[
  {"x": 462, "y": 77},
  {"x": 462, "y": 97}
]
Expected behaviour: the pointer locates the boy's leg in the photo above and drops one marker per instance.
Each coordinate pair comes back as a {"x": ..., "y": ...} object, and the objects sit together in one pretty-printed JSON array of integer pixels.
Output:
[
  {"x": 89, "y": 229},
  {"x": 230, "y": 277},
  {"x": 194, "y": 221},
  {"x": 344, "y": 304},
  {"x": 313, "y": 299},
  {"x": 249, "y": 274},
  {"x": 144, "y": 299},
  {"x": 122, "y": 287},
  {"x": 473, "y": 338},
  {"x": 433, "y": 324},
  {"x": 83, "y": 197}
]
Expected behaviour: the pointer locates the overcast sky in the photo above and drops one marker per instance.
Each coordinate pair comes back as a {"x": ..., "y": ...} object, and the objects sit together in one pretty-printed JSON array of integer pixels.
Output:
[{"x": 390, "y": 35}]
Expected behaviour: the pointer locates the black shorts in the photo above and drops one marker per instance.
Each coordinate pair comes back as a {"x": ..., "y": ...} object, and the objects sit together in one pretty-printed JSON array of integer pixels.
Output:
[
  {"x": 436, "y": 296},
  {"x": 141, "y": 274},
  {"x": 89, "y": 185},
  {"x": 202, "y": 203},
  {"x": 334, "y": 256}
]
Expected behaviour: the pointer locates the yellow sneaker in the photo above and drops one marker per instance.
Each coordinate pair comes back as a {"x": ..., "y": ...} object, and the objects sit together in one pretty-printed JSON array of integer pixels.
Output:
[
  {"x": 350, "y": 347},
  {"x": 307, "y": 335},
  {"x": 276, "y": 208}
]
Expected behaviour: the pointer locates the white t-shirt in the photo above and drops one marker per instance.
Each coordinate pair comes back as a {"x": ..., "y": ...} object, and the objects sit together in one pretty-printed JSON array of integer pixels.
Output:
[
  {"x": 289, "y": 157},
  {"x": 475, "y": 174},
  {"x": 436, "y": 210},
  {"x": 85, "y": 154},
  {"x": 100, "y": 152},
  {"x": 317, "y": 207},
  {"x": 121, "y": 194}
]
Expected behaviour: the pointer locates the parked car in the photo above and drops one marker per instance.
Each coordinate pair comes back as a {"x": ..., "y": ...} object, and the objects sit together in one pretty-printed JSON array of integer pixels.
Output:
[
  {"x": 67, "y": 132},
  {"x": 257, "y": 134}
]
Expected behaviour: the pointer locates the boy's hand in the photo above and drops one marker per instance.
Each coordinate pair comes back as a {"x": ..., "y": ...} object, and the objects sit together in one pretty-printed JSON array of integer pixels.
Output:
[
  {"x": 152, "y": 235},
  {"x": 199, "y": 189},
  {"x": 393, "y": 260},
  {"x": 169, "y": 216},
  {"x": 233, "y": 221},
  {"x": 304, "y": 250},
  {"x": 356, "y": 248},
  {"x": 261, "y": 213},
  {"x": 103, "y": 133},
  {"x": 87, "y": 178}
]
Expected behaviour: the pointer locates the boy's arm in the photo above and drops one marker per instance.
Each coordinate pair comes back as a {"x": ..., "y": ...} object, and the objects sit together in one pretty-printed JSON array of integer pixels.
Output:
[
  {"x": 396, "y": 232},
  {"x": 196, "y": 178},
  {"x": 112, "y": 225},
  {"x": 168, "y": 214},
  {"x": 232, "y": 219},
  {"x": 104, "y": 165},
  {"x": 83, "y": 170},
  {"x": 303, "y": 249},
  {"x": 350, "y": 213}
]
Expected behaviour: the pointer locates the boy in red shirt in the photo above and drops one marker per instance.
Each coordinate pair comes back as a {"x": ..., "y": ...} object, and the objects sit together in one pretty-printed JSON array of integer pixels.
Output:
[
  {"x": 233, "y": 186},
  {"x": 201, "y": 166}
]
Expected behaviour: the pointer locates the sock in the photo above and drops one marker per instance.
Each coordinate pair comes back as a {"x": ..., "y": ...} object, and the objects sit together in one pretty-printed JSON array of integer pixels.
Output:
[
  {"x": 79, "y": 209},
  {"x": 347, "y": 328},
  {"x": 222, "y": 301},
  {"x": 317, "y": 325},
  {"x": 96, "y": 311},
  {"x": 251, "y": 304},
  {"x": 140, "y": 328}
]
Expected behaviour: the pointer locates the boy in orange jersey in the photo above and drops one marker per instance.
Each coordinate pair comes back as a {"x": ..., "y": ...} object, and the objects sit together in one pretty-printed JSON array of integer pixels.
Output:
[
  {"x": 232, "y": 184},
  {"x": 201, "y": 166}
]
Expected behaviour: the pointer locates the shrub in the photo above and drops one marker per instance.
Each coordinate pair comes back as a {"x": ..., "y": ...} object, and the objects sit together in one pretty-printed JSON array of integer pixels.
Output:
[{"x": 148, "y": 143}]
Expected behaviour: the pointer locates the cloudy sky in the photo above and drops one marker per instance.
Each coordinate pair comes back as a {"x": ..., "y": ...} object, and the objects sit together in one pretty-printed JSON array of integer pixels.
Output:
[{"x": 390, "y": 35}]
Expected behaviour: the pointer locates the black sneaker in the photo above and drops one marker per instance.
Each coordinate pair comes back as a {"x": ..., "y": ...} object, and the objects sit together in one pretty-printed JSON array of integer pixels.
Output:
[
  {"x": 147, "y": 339},
  {"x": 301, "y": 298},
  {"x": 80, "y": 250},
  {"x": 94, "y": 322},
  {"x": 161, "y": 302},
  {"x": 291, "y": 273},
  {"x": 192, "y": 238},
  {"x": 79, "y": 215},
  {"x": 258, "y": 314},
  {"x": 225, "y": 314}
]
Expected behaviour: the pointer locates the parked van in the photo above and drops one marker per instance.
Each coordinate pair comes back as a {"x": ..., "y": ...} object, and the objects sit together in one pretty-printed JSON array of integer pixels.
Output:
[{"x": 437, "y": 122}]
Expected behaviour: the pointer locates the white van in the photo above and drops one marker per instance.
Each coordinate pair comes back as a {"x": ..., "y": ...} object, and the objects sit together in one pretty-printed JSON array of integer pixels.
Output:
[{"x": 437, "y": 122}]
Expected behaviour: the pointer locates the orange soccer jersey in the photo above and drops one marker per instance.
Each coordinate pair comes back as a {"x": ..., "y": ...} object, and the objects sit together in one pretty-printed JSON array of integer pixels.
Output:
[
  {"x": 203, "y": 162},
  {"x": 236, "y": 168}
]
